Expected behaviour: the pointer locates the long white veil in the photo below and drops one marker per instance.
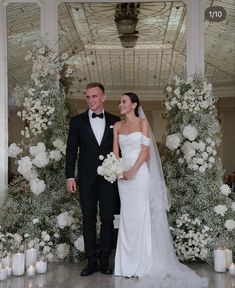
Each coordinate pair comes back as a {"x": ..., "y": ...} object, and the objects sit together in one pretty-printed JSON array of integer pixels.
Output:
[
  {"x": 166, "y": 270},
  {"x": 159, "y": 193}
]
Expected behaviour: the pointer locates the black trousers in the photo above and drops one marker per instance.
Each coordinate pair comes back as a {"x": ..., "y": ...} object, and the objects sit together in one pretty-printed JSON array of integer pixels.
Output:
[{"x": 106, "y": 194}]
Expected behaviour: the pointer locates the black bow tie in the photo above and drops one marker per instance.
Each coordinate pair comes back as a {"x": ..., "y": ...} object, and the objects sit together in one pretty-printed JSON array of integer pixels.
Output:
[{"x": 101, "y": 115}]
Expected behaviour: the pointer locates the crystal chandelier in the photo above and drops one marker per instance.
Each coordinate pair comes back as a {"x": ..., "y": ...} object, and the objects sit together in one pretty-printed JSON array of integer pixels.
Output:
[{"x": 126, "y": 18}]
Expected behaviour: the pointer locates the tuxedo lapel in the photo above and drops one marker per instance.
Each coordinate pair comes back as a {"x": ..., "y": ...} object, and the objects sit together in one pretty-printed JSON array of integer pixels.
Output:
[
  {"x": 88, "y": 128},
  {"x": 107, "y": 127}
]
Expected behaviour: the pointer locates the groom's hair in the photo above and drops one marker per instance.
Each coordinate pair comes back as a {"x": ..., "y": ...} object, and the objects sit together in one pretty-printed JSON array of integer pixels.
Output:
[
  {"x": 95, "y": 84},
  {"x": 134, "y": 99}
]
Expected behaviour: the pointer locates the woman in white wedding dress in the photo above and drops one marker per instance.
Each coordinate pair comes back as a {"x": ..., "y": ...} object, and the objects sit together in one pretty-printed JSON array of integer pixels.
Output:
[{"x": 144, "y": 247}]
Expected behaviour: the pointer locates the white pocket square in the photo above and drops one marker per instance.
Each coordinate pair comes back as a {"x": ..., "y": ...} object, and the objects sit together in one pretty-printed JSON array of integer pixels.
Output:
[{"x": 111, "y": 126}]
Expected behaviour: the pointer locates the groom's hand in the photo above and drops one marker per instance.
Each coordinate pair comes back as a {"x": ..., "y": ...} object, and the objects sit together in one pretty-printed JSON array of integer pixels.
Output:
[{"x": 71, "y": 185}]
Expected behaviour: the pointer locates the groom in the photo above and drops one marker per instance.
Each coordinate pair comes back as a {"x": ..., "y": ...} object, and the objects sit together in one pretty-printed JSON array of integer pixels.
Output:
[{"x": 91, "y": 132}]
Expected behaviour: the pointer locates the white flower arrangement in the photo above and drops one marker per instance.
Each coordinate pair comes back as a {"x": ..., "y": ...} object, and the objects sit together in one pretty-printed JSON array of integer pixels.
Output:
[
  {"x": 14, "y": 150},
  {"x": 220, "y": 209},
  {"x": 111, "y": 168},
  {"x": 192, "y": 238},
  {"x": 79, "y": 244},
  {"x": 192, "y": 169},
  {"x": 198, "y": 155},
  {"x": 62, "y": 250},
  {"x": 40, "y": 159},
  {"x": 9, "y": 242},
  {"x": 186, "y": 96},
  {"x": 64, "y": 219},
  {"x": 173, "y": 141},
  {"x": 230, "y": 224},
  {"x": 225, "y": 189}
]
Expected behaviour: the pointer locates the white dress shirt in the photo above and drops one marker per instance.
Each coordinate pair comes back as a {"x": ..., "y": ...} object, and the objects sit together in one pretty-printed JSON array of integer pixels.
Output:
[{"x": 97, "y": 125}]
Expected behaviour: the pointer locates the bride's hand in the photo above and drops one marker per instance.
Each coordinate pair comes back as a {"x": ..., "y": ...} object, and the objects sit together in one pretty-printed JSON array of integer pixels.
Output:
[{"x": 128, "y": 174}]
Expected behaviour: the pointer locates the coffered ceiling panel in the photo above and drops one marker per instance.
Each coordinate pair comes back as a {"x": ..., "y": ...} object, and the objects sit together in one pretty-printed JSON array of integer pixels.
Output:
[{"x": 88, "y": 30}]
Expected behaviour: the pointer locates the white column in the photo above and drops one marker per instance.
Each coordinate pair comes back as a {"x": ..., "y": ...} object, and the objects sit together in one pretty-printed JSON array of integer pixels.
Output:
[
  {"x": 195, "y": 36},
  {"x": 49, "y": 21},
  {"x": 3, "y": 104}
]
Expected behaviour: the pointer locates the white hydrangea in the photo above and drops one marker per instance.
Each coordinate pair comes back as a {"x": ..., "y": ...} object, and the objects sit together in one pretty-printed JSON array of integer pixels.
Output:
[
  {"x": 173, "y": 141},
  {"x": 24, "y": 165},
  {"x": 79, "y": 244},
  {"x": 37, "y": 186},
  {"x": 41, "y": 160},
  {"x": 62, "y": 250},
  {"x": 225, "y": 189},
  {"x": 187, "y": 149},
  {"x": 190, "y": 132},
  {"x": 38, "y": 149},
  {"x": 58, "y": 143},
  {"x": 14, "y": 150},
  {"x": 55, "y": 155},
  {"x": 230, "y": 224},
  {"x": 64, "y": 219},
  {"x": 220, "y": 209}
]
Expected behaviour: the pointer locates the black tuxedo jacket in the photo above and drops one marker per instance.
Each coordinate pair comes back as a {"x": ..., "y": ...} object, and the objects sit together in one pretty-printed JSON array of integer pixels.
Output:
[{"x": 83, "y": 144}]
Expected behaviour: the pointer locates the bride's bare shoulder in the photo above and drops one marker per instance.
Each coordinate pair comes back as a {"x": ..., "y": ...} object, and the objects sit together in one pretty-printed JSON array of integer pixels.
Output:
[
  {"x": 118, "y": 124},
  {"x": 143, "y": 121}
]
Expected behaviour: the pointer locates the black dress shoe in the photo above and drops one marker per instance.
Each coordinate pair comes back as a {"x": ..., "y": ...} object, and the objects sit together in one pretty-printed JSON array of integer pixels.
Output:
[
  {"x": 106, "y": 269},
  {"x": 89, "y": 269}
]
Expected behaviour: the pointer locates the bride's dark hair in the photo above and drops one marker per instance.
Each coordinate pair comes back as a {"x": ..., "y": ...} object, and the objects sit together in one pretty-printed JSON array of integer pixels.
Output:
[{"x": 134, "y": 99}]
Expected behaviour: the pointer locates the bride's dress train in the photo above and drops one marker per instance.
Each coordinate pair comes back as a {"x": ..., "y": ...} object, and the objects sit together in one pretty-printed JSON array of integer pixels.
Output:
[{"x": 144, "y": 248}]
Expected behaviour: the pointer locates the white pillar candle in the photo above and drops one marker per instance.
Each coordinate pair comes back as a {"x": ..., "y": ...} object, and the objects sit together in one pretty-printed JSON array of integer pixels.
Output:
[
  {"x": 6, "y": 262},
  {"x": 41, "y": 267},
  {"x": 232, "y": 269},
  {"x": 31, "y": 271},
  {"x": 18, "y": 264},
  {"x": 229, "y": 257},
  {"x": 9, "y": 271},
  {"x": 31, "y": 256},
  {"x": 219, "y": 260},
  {"x": 3, "y": 274}
]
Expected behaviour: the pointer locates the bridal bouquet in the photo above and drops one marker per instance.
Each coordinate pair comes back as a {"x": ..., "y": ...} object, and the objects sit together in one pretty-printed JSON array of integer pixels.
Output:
[{"x": 111, "y": 168}]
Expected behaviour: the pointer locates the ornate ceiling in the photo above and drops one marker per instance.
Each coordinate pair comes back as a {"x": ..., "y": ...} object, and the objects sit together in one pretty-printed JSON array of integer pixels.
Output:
[{"x": 89, "y": 30}]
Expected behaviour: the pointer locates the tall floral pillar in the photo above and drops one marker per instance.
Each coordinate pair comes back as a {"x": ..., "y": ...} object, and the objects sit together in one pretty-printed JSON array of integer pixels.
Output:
[{"x": 4, "y": 103}]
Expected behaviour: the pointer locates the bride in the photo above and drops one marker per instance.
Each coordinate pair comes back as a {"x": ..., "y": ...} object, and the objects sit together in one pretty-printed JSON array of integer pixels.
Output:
[{"x": 144, "y": 247}]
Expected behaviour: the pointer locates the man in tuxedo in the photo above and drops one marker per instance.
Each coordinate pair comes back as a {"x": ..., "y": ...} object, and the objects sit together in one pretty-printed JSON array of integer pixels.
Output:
[{"x": 91, "y": 132}]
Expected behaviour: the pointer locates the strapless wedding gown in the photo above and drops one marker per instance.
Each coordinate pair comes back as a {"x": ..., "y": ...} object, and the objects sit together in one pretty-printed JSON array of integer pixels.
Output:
[{"x": 145, "y": 251}]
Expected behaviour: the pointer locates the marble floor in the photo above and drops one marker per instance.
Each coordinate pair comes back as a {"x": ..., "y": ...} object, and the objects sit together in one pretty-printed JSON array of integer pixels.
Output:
[{"x": 67, "y": 276}]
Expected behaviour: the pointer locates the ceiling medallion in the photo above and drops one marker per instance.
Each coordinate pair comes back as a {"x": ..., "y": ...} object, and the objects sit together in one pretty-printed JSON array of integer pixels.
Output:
[{"x": 126, "y": 19}]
